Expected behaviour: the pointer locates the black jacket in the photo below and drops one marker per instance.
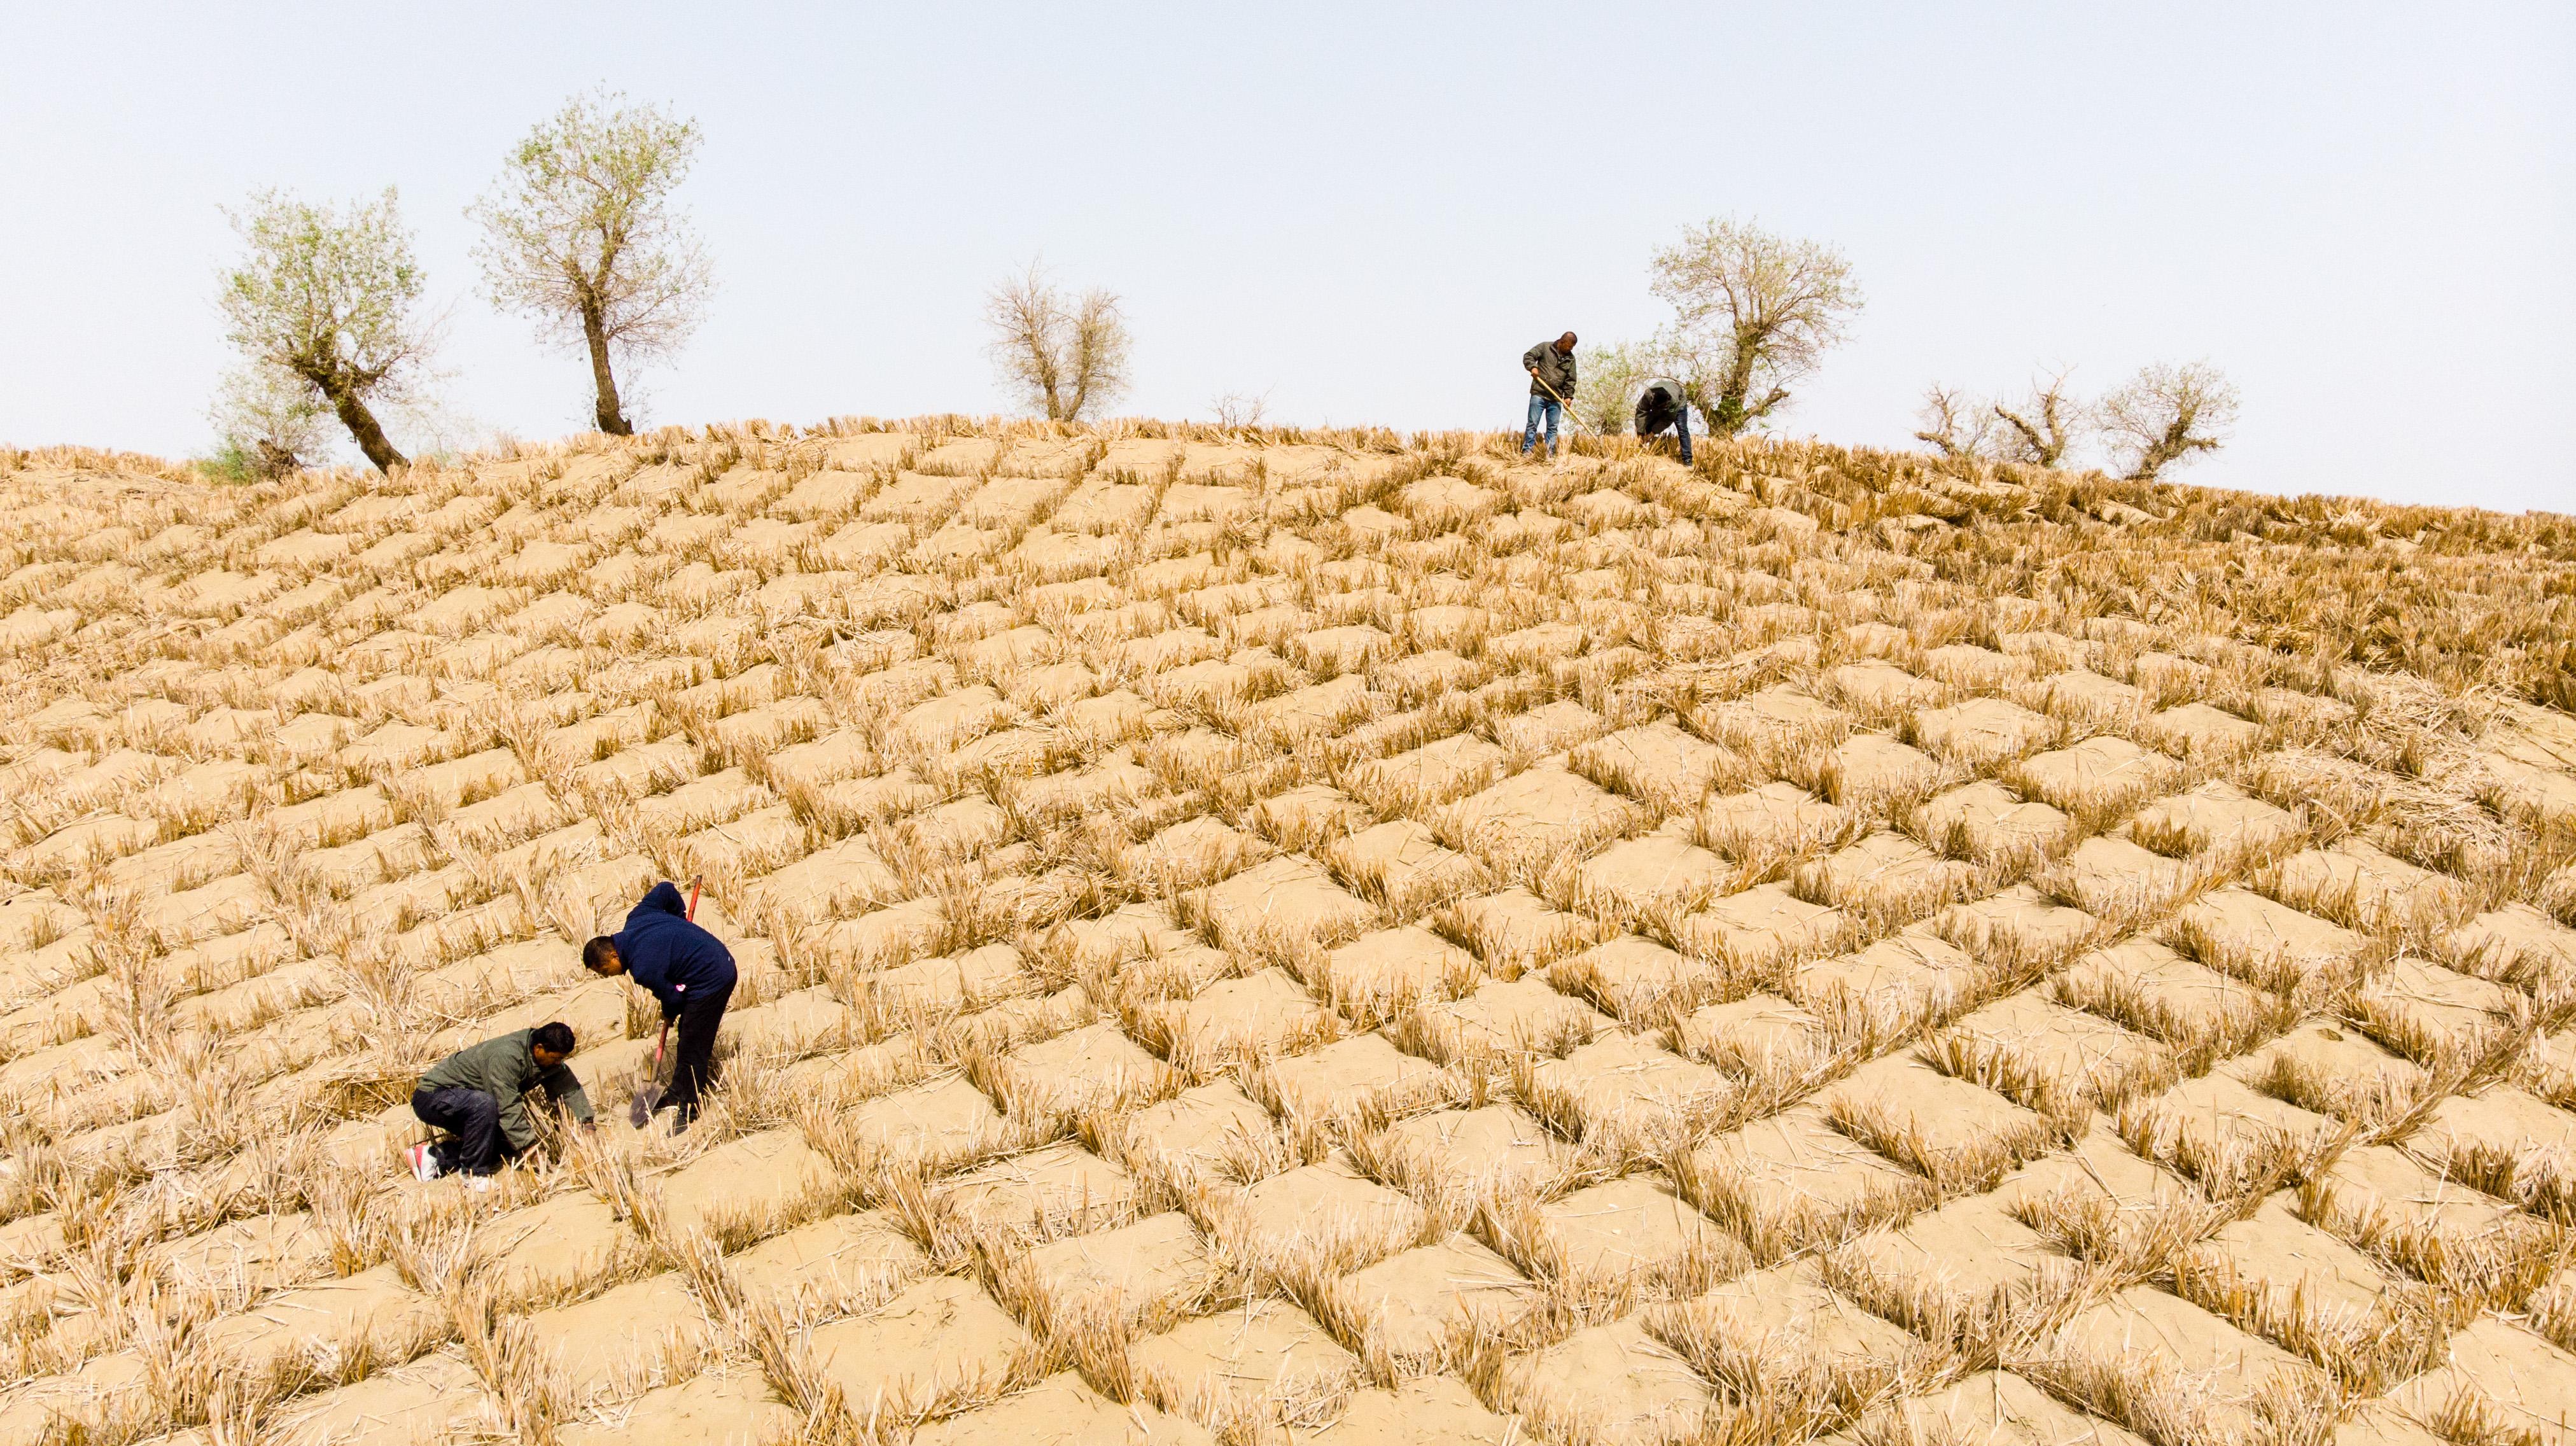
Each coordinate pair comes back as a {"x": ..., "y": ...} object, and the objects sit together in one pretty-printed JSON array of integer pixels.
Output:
[
  {"x": 1555, "y": 368},
  {"x": 670, "y": 956}
]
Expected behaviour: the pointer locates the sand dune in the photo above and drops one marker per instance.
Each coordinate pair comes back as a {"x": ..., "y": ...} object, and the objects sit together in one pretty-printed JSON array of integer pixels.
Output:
[{"x": 1291, "y": 937}]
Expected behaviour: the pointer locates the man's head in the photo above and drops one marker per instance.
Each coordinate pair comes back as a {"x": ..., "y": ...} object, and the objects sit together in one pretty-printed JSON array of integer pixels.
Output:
[
  {"x": 599, "y": 956},
  {"x": 1565, "y": 343},
  {"x": 551, "y": 1043}
]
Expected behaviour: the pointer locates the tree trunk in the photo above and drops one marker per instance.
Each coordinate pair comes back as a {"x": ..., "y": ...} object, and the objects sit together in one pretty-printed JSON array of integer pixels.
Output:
[
  {"x": 2163, "y": 451},
  {"x": 612, "y": 419},
  {"x": 1728, "y": 415},
  {"x": 1054, "y": 374},
  {"x": 362, "y": 426}
]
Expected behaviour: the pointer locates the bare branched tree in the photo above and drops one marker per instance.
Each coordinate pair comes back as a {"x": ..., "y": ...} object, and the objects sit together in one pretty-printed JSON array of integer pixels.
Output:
[
  {"x": 1237, "y": 410},
  {"x": 1959, "y": 423},
  {"x": 327, "y": 298},
  {"x": 1058, "y": 356},
  {"x": 580, "y": 234},
  {"x": 2042, "y": 427},
  {"x": 2166, "y": 415},
  {"x": 1754, "y": 313}
]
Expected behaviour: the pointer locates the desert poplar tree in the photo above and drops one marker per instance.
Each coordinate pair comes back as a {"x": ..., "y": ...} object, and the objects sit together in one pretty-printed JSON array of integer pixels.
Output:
[
  {"x": 2042, "y": 427},
  {"x": 1753, "y": 312},
  {"x": 268, "y": 422},
  {"x": 326, "y": 297},
  {"x": 2167, "y": 415},
  {"x": 1607, "y": 382},
  {"x": 1057, "y": 355},
  {"x": 1236, "y": 411},
  {"x": 580, "y": 234},
  {"x": 1958, "y": 423}
]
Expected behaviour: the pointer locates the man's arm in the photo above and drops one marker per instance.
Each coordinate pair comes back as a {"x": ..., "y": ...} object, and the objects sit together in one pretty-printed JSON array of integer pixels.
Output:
[
  {"x": 1532, "y": 357},
  {"x": 564, "y": 1088}
]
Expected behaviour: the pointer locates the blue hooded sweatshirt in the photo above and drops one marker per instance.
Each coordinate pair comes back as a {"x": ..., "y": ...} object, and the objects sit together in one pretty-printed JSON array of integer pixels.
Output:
[{"x": 670, "y": 956}]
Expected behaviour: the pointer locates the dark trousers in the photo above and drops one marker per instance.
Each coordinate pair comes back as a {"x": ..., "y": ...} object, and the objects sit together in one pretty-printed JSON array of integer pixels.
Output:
[
  {"x": 693, "y": 1066},
  {"x": 473, "y": 1121},
  {"x": 1679, "y": 422}
]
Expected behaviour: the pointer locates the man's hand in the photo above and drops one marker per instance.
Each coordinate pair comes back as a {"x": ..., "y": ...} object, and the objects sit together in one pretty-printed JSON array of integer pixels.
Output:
[{"x": 590, "y": 1127}]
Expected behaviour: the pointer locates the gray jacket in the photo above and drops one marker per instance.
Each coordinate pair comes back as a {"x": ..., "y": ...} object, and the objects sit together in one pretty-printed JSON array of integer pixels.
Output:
[
  {"x": 1660, "y": 405},
  {"x": 1555, "y": 368}
]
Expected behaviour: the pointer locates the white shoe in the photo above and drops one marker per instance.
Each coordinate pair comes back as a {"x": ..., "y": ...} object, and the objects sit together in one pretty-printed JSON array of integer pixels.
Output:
[
  {"x": 479, "y": 1184},
  {"x": 424, "y": 1164}
]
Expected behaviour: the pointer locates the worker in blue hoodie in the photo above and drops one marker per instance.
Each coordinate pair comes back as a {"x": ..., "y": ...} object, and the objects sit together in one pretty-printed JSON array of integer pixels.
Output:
[{"x": 688, "y": 969}]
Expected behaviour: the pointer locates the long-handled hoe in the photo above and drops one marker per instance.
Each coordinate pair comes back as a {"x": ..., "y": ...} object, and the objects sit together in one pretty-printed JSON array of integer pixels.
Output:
[{"x": 640, "y": 1112}]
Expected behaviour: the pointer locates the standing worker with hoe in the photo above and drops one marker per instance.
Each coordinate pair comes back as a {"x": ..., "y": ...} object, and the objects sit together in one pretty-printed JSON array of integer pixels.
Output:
[
  {"x": 688, "y": 969},
  {"x": 1551, "y": 368}
]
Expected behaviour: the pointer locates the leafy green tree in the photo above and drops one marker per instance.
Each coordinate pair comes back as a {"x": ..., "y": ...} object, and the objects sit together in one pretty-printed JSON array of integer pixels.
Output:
[
  {"x": 580, "y": 233},
  {"x": 1607, "y": 382},
  {"x": 326, "y": 297},
  {"x": 1753, "y": 314},
  {"x": 268, "y": 423}
]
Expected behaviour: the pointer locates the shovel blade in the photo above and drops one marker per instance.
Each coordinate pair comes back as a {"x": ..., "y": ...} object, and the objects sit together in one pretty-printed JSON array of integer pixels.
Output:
[{"x": 639, "y": 1112}]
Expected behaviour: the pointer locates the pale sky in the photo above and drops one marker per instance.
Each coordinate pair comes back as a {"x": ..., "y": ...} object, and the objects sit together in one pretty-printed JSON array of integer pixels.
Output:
[{"x": 2365, "y": 214}]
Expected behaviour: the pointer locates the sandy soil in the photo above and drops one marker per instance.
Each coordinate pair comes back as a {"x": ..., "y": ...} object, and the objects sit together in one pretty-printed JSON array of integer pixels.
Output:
[{"x": 1267, "y": 938}]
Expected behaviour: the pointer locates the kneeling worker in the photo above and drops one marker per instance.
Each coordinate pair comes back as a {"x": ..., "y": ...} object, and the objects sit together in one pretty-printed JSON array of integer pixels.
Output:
[
  {"x": 480, "y": 1096},
  {"x": 1662, "y": 405},
  {"x": 688, "y": 969}
]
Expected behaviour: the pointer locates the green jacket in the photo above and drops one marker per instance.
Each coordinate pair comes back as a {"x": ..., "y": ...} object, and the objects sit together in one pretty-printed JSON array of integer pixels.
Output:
[
  {"x": 506, "y": 1069},
  {"x": 1555, "y": 369}
]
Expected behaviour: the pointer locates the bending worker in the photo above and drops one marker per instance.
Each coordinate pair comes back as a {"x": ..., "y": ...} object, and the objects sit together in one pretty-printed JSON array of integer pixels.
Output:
[
  {"x": 480, "y": 1096},
  {"x": 1661, "y": 405},
  {"x": 1551, "y": 368},
  {"x": 686, "y": 968}
]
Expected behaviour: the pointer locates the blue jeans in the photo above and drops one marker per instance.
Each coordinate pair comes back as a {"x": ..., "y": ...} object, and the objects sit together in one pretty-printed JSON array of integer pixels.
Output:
[{"x": 1540, "y": 406}]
